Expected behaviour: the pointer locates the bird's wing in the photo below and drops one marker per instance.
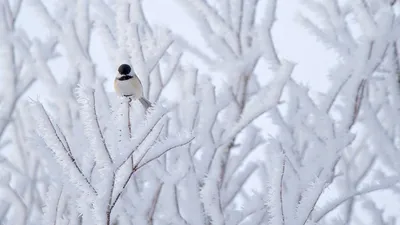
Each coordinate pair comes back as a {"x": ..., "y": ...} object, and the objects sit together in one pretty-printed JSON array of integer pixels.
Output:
[{"x": 137, "y": 86}]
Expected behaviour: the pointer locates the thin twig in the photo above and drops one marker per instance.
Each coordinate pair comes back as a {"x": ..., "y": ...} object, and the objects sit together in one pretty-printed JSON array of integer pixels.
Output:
[
  {"x": 129, "y": 117},
  {"x": 382, "y": 185},
  {"x": 357, "y": 104},
  {"x": 177, "y": 207},
  {"x": 155, "y": 157},
  {"x": 147, "y": 150},
  {"x": 140, "y": 142},
  {"x": 109, "y": 210},
  {"x": 99, "y": 128},
  {"x": 71, "y": 157},
  {"x": 154, "y": 204},
  {"x": 282, "y": 181},
  {"x": 137, "y": 167},
  {"x": 57, "y": 206},
  {"x": 91, "y": 171},
  {"x": 123, "y": 188},
  {"x": 129, "y": 122}
]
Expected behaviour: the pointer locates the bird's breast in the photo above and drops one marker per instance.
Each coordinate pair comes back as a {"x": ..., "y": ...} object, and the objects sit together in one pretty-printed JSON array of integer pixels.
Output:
[{"x": 129, "y": 87}]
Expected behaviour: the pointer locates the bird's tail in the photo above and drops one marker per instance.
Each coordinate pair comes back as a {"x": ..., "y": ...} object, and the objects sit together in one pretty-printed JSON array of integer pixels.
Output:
[{"x": 146, "y": 103}]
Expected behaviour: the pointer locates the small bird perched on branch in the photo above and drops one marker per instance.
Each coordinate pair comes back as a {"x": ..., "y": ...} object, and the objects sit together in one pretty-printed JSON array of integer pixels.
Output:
[{"x": 127, "y": 84}]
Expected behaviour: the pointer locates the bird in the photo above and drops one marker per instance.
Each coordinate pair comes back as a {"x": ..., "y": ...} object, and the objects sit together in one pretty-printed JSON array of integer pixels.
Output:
[{"x": 127, "y": 84}]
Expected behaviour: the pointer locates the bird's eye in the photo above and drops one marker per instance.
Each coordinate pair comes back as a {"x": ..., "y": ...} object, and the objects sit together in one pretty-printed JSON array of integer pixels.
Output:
[{"x": 124, "y": 69}]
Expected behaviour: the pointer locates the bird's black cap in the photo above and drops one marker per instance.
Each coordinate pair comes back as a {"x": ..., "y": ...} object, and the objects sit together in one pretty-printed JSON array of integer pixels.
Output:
[{"x": 124, "y": 69}]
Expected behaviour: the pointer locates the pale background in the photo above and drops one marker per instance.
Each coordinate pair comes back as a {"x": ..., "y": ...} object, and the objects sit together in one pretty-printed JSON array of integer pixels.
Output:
[{"x": 293, "y": 43}]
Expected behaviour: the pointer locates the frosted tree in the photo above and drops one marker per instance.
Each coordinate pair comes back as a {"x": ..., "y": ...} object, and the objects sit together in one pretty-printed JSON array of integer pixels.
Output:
[
  {"x": 364, "y": 35},
  {"x": 21, "y": 179},
  {"x": 203, "y": 158}
]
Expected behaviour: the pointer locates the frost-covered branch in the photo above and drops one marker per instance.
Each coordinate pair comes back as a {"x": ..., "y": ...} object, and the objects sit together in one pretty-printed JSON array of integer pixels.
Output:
[
  {"x": 51, "y": 136},
  {"x": 371, "y": 52}
]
